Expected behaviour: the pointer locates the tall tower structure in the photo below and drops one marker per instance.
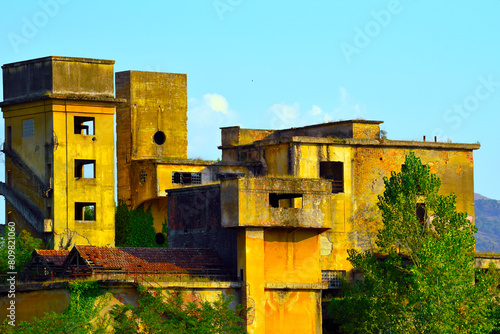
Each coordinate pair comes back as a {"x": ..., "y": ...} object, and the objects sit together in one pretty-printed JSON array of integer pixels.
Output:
[
  {"x": 151, "y": 130},
  {"x": 59, "y": 149}
]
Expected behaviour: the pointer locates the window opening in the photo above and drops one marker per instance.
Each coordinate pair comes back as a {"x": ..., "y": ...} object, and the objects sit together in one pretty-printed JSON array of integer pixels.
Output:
[
  {"x": 49, "y": 212},
  {"x": 85, "y": 169},
  {"x": 159, "y": 137},
  {"x": 186, "y": 178},
  {"x": 84, "y": 125},
  {"x": 85, "y": 211},
  {"x": 421, "y": 212},
  {"x": 285, "y": 200},
  {"x": 160, "y": 238},
  {"x": 28, "y": 128},
  {"x": 333, "y": 278},
  {"x": 333, "y": 170}
]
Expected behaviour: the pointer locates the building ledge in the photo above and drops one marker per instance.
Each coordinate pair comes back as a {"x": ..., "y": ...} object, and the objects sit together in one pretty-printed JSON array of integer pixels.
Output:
[
  {"x": 58, "y": 96},
  {"x": 296, "y": 286}
]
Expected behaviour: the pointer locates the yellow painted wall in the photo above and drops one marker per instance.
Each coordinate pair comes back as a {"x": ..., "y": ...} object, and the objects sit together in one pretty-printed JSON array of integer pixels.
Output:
[{"x": 68, "y": 189}]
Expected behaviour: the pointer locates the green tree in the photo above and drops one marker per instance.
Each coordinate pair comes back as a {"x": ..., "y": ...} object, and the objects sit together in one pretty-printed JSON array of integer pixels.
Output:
[
  {"x": 134, "y": 228},
  {"x": 159, "y": 314},
  {"x": 426, "y": 281},
  {"x": 21, "y": 246}
]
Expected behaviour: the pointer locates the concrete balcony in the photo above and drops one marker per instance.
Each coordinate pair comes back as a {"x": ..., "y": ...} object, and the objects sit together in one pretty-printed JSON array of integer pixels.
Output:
[{"x": 276, "y": 202}]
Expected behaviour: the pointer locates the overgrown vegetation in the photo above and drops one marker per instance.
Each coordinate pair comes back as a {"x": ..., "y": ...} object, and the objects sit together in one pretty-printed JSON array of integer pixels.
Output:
[
  {"x": 155, "y": 314},
  {"x": 426, "y": 281},
  {"x": 82, "y": 316},
  {"x": 24, "y": 246},
  {"x": 134, "y": 228},
  {"x": 158, "y": 314}
]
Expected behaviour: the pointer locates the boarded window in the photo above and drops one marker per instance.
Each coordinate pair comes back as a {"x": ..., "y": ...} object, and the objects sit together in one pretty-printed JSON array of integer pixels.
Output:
[
  {"x": 333, "y": 170},
  {"x": 28, "y": 128},
  {"x": 84, "y": 125},
  {"x": 85, "y": 169},
  {"x": 285, "y": 200},
  {"x": 333, "y": 278},
  {"x": 85, "y": 211}
]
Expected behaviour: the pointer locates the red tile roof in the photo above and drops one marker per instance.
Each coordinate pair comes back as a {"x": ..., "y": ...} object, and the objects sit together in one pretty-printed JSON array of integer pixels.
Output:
[
  {"x": 51, "y": 257},
  {"x": 116, "y": 258},
  {"x": 186, "y": 258}
]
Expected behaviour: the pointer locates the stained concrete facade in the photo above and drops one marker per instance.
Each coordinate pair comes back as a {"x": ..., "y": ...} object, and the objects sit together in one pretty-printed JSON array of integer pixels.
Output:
[
  {"x": 59, "y": 149},
  {"x": 281, "y": 208}
]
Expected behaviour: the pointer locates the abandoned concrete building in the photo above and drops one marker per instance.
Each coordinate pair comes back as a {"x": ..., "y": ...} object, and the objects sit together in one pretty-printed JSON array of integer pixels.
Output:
[{"x": 281, "y": 208}]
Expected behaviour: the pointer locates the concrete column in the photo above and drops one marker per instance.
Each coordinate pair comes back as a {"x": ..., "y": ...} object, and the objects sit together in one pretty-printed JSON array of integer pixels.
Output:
[{"x": 251, "y": 261}]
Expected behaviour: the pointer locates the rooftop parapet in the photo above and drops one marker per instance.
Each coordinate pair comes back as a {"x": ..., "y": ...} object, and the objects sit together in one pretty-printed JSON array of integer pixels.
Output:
[{"x": 60, "y": 78}]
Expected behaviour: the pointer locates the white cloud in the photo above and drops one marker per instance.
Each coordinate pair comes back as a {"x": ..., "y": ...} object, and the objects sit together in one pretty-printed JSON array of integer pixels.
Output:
[
  {"x": 315, "y": 110},
  {"x": 282, "y": 115},
  {"x": 205, "y": 116},
  {"x": 217, "y": 102}
]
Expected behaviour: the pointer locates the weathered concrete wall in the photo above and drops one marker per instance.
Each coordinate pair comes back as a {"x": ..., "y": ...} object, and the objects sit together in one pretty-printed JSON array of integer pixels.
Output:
[
  {"x": 194, "y": 221},
  {"x": 68, "y": 88},
  {"x": 31, "y": 304},
  {"x": 252, "y": 206},
  {"x": 58, "y": 75},
  {"x": 152, "y": 124},
  {"x": 48, "y": 298}
]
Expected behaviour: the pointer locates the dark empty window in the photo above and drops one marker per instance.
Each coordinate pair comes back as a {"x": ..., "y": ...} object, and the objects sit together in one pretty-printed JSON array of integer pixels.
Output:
[
  {"x": 160, "y": 238},
  {"x": 285, "y": 200},
  {"x": 186, "y": 178},
  {"x": 85, "y": 211},
  {"x": 333, "y": 170},
  {"x": 84, "y": 125},
  {"x": 85, "y": 169},
  {"x": 421, "y": 214},
  {"x": 159, "y": 137},
  {"x": 28, "y": 128}
]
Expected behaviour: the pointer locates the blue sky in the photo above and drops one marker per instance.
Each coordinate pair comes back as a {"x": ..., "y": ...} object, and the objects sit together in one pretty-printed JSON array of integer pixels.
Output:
[{"x": 423, "y": 67}]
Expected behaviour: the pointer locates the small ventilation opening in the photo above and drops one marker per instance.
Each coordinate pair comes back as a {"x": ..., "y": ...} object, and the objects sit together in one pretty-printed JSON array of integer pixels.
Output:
[{"x": 159, "y": 137}]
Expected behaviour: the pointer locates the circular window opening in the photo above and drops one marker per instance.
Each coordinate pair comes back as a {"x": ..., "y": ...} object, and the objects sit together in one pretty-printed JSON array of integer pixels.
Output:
[
  {"x": 159, "y": 137},
  {"x": 160, "y": 238}
]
